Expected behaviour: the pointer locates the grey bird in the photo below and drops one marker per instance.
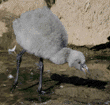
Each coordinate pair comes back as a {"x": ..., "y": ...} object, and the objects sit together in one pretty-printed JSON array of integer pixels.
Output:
[{"x": 40, "y": 32}]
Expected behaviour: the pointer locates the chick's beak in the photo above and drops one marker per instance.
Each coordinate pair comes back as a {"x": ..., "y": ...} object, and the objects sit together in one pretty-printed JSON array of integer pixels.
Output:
[{"x": 83, "y": 67}]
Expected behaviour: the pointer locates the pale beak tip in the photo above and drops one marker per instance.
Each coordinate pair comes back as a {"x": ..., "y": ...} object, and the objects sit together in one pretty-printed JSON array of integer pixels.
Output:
[
  {"x": 84, "y": 72},
  {"x": 82, "y": 69},
  {"x": 88, "y": 71}
]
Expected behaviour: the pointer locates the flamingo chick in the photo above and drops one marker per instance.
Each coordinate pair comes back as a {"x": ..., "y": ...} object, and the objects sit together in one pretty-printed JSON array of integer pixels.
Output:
[{"x": 40, "y": 32}]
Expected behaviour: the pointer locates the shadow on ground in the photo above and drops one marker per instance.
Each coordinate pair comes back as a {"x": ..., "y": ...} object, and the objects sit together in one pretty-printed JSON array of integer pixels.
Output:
[
  {"x": 79, "y": 81},
  {"x": 101, "y": 46}
]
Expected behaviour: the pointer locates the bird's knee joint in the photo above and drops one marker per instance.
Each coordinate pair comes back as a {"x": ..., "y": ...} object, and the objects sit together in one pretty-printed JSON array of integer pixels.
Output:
[{"x": 18, "y": 57}]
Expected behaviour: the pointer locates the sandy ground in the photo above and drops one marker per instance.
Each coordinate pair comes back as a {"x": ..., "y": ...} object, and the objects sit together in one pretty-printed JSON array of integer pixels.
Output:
[{"x": 86, "y": 21}]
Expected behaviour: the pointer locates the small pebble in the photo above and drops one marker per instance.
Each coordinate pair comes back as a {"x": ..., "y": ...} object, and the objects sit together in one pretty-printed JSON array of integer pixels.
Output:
[
  {"x": 10, "y": 76},
  {"x": 61, "y": 86}
]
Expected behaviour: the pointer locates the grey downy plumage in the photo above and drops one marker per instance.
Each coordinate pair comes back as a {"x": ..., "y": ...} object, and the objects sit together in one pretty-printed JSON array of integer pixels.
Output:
[{"x": 40, "y": 32}]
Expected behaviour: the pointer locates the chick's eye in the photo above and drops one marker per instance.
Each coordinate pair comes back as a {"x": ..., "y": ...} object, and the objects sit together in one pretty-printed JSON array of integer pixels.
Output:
[{"x": 79, "y": 62}]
